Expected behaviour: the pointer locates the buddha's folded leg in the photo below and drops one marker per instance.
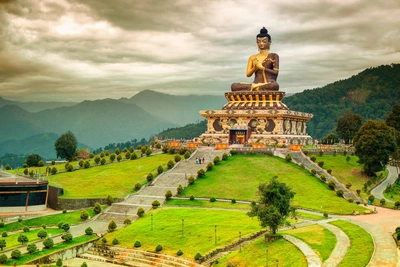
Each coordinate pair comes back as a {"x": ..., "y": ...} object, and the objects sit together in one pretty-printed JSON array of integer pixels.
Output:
[
  {"x": 240, "y": 87},
  {"x": 274, "y": 86}
]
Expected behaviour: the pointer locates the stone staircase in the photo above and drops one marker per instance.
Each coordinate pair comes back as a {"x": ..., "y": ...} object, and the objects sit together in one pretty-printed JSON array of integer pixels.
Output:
[
  {"x": 300, "y": 158},
  {"x": 135, "y": 257},
  {"x": 156, "y": 190}
]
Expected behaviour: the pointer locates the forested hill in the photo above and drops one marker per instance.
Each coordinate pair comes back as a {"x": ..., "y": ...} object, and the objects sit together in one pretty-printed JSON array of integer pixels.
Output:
[{"x": 371, "y": 93}]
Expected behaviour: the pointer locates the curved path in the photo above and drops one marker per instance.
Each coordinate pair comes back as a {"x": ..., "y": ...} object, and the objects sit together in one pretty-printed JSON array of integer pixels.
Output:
[
  {"x": 341, "y": 248},
  {"x": 391, "y": 179},
  {"x": 312, "y": 258}
]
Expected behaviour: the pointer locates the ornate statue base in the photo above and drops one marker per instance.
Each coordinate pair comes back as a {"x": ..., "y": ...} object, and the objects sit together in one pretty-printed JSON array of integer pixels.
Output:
[{"x": 255, "y": 117}]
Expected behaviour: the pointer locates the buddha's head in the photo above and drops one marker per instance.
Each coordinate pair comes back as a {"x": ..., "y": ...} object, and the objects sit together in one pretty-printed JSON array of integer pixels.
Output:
[{"x": 263, "y": 39}]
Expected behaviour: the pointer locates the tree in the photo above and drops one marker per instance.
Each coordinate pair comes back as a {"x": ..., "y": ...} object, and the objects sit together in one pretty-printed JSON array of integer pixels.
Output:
[
  {"x": 42, "y": 234},
  {"x": 84, "y": 264},
  {"x": 31, "y": 248},
  {"x": 348, "y": 125},
  {"x": 84, "y": 215},
  {"x": 65, "y": 227},
  {"x": 66, "y": 146},
  {"x": 127, "y": 221},
  {"x": 97, "y": 160},
  {"x": 374, "y": 143},
  {"x": 89, "y": 231},
  {"x": 23, "y": 239},
  {"x": 97, "y": 208},
  {"x": 112, "y": 226},
  {"x": 59, "y": 262},
  {"x": 3, "y": 244},
  {"x": 16, "y": 254},
  {"x": 33, "y": 160},
  {"x": 3, "y": 258},
  {"x": 48, "y": 243},
  {"x": 66, "y": 237},
  {"x": 8, "y": 167},
  {"x": 274, "y": 204}
]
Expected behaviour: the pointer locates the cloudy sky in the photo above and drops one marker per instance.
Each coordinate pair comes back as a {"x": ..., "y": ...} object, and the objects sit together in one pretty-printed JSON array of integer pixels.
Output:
[{"x": 75, "y": 50}]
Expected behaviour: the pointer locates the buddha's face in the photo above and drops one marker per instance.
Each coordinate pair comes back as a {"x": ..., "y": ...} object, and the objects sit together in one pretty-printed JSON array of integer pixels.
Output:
[{"x": 263, "y": 43}]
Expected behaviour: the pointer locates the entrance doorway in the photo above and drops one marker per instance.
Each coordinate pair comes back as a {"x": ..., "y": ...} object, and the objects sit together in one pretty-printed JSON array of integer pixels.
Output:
[{"x": 238, "y": 136}]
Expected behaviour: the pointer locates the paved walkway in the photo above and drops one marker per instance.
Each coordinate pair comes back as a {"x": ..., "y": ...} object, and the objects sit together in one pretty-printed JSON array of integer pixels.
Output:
[
  {"x": 312, "y": 258},
  {"x": 391, "y": 179},
  {"x": 341, "y": 248}
]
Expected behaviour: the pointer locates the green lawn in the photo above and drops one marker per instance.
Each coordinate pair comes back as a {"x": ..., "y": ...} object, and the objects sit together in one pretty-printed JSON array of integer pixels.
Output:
[
  {"x": 254, "y": 255},
  {"x": 57, "y": 247},
  {"x": 394, "y": 193},
  {"x": 206, "y": 203},
  {"x": 199, "y": 230},
  {"x": 322, "y": 241},
  {"x": 69, "y": 217},
  {"x": 239, "y": 177},
  {"x": 361, "y": 244},
  {"x": 12, "y": 239},
  {"x": 310, "y": 216},
  {"x": 347, "y": 172},
  {"x": 117, "y": 179}
]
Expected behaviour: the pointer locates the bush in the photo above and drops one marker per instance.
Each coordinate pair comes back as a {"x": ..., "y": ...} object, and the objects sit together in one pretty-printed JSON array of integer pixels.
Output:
[
  {"x": 59, "y": 262},
  {"x": 84, "y": 264},
  {"x": 112, "y": 226},
  {"x": 31, "y": 248},
  {"x": 109, "y": 200},
  {"x": 48, "y": 243},
  {"x": 288, "y": 157},
  {"x": 348, "y": 158},
  {"x": 159, "y": 248},
  {"x": 155, "y": 204},
  {"x": 233, "y": 201},
  {"x": 41, "y": 234},
  {"x": 177, "y": 158},
  {"x": 187, "y": 155},
  {"x": 191, "y": 198},
  {"x": 334, "y": 153},
  {"x": 64, "y": 211},
  {"x": 3, "y": 258},
  {"x": 216, "y": 160},
  {"x": 321, "y": 163},
  {"x": 323, "y": 178},
  {"x": 305, "y": 152},
  {"x": 197, "y": 256},
  {"x": 67, "y": 237},
  {"x": 179, "y": 253},
  {"x": 60, "y": 225},
  {"x": 149, "y": 177},
  {"x": 212, "y": 199},
  {"x": 179, "y": 189},
  {"x": 313, "y": 171},
  {"x": 97, "y": 208},
  {"x": 201, "y": 173},
  {"x": 128, "y": 155},
  {"x": 112, "y": 157},
  {"x": 103, "y": 161},
  {"x": 383, "y": 201},
  {"x": 371, "y": 198},
  {"x": 53, "y": 170},
  {"x": 350, "y": 200},
  {"x": 329, "y": 171},
  {"x": 170, "y": 164},
  {"x": 325, "y": 214},
  {"x": 16, "y": 254},
  {"x": 89, "y": 231},
  {"x": 84, "y": 215},
  {"x": 224, "y": 156},
  {"x": 66, "y": 227},
  {"x": 358, "y": 202},
  {"x": 331, "y": 184},
  {"x": 115, "y": 241},
  {"x": 348, "y": 185},
  {"x": 209, "y": 166},
  {"x": 191, "y": 180},
  {"x": 321, "y": 153},
  {"x": 313, "y": 158},
  {"x": 26, "y": 229},
  {"x": 168, "y": 195},
  {"x": 104, "y": 240},
  {"x": 26, "y": 171},
  {"x": 344, "y": 152},
  {"x": 233, "y": 152},
  {"x": 137, "y": 244},
  {"x": 339, "y": 193},
  {"x": 1, "y": 224},
  {"x": 138, "y": 186},
  {"x": 358, "y": 191},
  {"x": 119, "y": 158},
  {"x": 133, "y": 156},
  {"x": 160, "y": 169},
  {"x": 140, "y": 212},
  {"x": 4, "y": 234}
]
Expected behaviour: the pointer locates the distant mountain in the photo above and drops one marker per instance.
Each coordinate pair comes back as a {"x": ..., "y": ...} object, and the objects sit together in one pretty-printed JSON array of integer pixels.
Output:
[
  {"x": 35, "y": 106},
  {"x": 179, "y": 110},
  {"x": 95, "y": 123},
  {"x": 372, "y": 93},
  {"x": 187, "y": 132}
]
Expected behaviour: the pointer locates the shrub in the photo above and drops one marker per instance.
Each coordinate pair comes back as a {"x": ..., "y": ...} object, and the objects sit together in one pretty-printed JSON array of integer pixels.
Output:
[
  {"x": 179, "y": 189},
  {"x": 133, "y": 156},
  {"x": 233, "y": 152},
  {"x": 109, "y": 200},
  {"x": 128, "y": 155},
  {"x": 212, "y": 199},
  {"x": 325, "y": 214},
  {"x": 160, "y": 169},
  {"x": 1, "y": 224},
  {"x": 179, "y": 253},
  {"x": 313, "y": 171},
  {"x": 201, "y": 173},
  {"x": 140, "y": 212},
  {"x": 3, "y": 258},
  {"x": 177, "y": 158},
  {"x": 233, "y": 201},
  {"x": 288, "y": 157},
  {"x": 60, "y": 225},
  {"x": 321, "y": 163},
  {"x": 64, "y": 211},
  {"x": 66, "y": 227},
  {"x": 383, "y": 201},
  {"x": 348, "y": 158},
  {"x": 331, "y": 184},
  {"x": 321, "y": 153},
  {"x": 171, "y": 150},
  {"x": 67, "y": 237},
  {"x": 197, "y": 256},
  {"x": 358, "y": 202},
  {"x": 26, "y": 229},
  {"x": 350, "y": 200},
  {"x": 323, "y": 178},
  {"x": 112, "y": 226},
  {"x": 313, "y": 158},
  {"x": 84, "y": 215},
  {"x": 348, "y": 185},
  {"x": 371, "y": 198},
  {"x": 159, "y": 248},
  {"x": 84, "y": 264},
  {"x": 344, "y": 152},
  {"x": 155, "y": 204},
  {"x": 97, "y": 208},
  {"x": 16, "y": 254},
  {"x": 224, "y": 156},
  {"x": 89, "y": 231},
  {"x": 339, "y": 193},
  {"x": 119, "y": 158},
  {"x": 252, "y": 152},
  {"x": 4, "y": 234},
  {"x": 168, "y": 195},
  {"x": 115, "y": 241},
  {"x": 103, "y": 161},
  {"x": 48, "y": 243},
  {"x": 112, "y": 157},
  {"x": 59, "y": 262},
  {"x": 104, "y": 240},
  {"x": 41, "y": 234},
  {"x": 334, "y": 153},
  {"x": 209, "y": 166},
  {"x": 138, "y": 186},
  {"x": 170, "y": 164},
  {"x": 358, "y": 191},
  {"x": 19, "y": 219},
  {"x": 26, "y": 171},
  {"x": 329, "y": 171},
  {"x": 53, "y": 170},
  {"x": 216, "y": 160},
  {"x": 137, "y": 244},
  {"x": 149, "y": 177},
  {"x": 23, "y": 239},
  {"x": 305, "y": 152},
  {"x": 191, "y": 180},
  {"x": 191, "y": 197},
  {"x": 187, "y": 155}
]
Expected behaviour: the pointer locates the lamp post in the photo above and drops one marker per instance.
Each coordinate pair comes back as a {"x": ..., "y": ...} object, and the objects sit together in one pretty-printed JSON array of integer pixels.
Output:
[
  {"x": 267, "y": 256},
  {"x": 183, "y": 222},
  {"x": 240, "y": 241},
  {"x": 215, "y": 234},
  {"x": 151, "y": 222},
  {"x": 277, "y": 263}
]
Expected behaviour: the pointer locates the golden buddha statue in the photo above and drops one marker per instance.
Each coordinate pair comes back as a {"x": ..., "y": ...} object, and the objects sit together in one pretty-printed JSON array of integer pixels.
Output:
[{"x": 264, "y": 65}]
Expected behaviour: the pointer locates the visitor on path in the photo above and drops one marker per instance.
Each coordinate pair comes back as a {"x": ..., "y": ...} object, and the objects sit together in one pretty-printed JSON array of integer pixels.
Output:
[
  {"x": 197, "y": 161},
  {"x": 203, "y": 160}
]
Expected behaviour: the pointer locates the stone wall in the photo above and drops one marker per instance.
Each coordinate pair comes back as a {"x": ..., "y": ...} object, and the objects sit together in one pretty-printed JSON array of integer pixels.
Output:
[{"x": 79, "y": 203}]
